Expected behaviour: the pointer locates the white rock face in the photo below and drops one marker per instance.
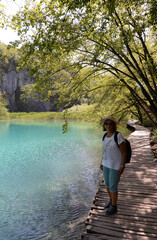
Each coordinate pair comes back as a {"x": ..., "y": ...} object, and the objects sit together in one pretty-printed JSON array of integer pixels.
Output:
[
  {"x": 11, "y": 83},
  {"x": 12, "y": 80}
]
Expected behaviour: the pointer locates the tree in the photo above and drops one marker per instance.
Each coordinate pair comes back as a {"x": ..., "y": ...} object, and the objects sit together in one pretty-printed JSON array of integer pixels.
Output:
[
  {"x": 116, "y": 40},
  {"x": 3, "y": 103},
  {"x": 3, "y": 18}
]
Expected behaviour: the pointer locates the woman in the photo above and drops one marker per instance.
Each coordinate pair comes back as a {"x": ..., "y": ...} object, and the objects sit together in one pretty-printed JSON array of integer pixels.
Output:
[{"x": 113, "y": 161}]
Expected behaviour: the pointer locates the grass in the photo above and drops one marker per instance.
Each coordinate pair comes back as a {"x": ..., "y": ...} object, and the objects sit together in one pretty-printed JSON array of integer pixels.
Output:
[
  {"x": 74, "y": 113},
  {"x": 43, "y": 116},
  {"x": 35, "y": 116}
]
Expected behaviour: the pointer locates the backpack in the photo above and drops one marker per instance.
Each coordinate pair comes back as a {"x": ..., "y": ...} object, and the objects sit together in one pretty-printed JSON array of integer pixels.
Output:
[{"x": 128, "y": 146}]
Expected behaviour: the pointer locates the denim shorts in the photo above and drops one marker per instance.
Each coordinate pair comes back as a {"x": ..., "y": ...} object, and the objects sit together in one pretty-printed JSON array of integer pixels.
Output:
[{"x": 111, "y": 178}]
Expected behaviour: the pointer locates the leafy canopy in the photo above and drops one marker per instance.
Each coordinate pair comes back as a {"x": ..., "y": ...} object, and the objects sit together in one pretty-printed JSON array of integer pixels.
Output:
[{"x": 114, "y": 39}]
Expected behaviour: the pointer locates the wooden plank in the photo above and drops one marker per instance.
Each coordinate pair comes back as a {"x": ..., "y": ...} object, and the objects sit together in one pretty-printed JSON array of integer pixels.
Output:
[
  {"x": 147, "y": 204},
  {"x": 141, "y": 217},
  {"x": 125, "y": 226},
  {"x": 129, "y": 186},
  {"x": 93, "y": 236},
  {"x": 139, "y": 189},
  {"x": 150, "y": 197},
  {"x": 126, "y": 223},
  {"x": 150, "y": 208},
  {"x": 126, "y": 234}
]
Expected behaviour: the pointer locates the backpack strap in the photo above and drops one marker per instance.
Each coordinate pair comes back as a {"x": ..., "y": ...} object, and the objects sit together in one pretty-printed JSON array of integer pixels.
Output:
[
  {"x": 104, "y": 136},
  {"x": 115, "y": 137}
]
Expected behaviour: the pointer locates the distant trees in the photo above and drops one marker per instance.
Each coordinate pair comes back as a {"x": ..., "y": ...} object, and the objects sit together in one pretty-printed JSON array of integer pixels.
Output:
[
  {"x": 107, "y": 46},
  {"x": 29, "y": 94},
  {"x": 3, "y": 109},
  {"x": 3, "y": 18},
  {"x": 5, "y": 57}
]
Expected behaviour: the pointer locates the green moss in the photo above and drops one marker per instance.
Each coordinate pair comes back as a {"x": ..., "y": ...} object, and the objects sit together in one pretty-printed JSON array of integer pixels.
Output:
[{"x": 155, "y": 132}]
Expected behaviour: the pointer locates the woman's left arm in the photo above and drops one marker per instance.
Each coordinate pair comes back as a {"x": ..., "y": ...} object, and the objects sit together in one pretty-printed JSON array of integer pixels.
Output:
[{"x": 122, "y": 147}]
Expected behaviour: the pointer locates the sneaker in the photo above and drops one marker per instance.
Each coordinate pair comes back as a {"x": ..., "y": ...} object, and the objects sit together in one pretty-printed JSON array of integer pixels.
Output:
[
  {"x": 108, "y": 204},
  {"x": 112, "y": 210}
]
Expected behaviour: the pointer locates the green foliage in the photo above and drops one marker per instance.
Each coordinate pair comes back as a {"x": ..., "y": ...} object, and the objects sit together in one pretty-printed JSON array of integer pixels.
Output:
[
  {"x": 65, "y": 125},
  {"x": 3, "y": 18},
  {"x": 3, "y": 109},
  {"x": 65, "y": 116},
  {"x": 153, "y": 11},
  {"x": 108, "y": 47},
  {"x": 9, "y": 52},
  {"x": 7, "y": 56},
  {"x": 75, "y": 113},
  {"x": 155, "y": 132},
  {"x": 36, "y": 116},
  {"x": 84, "y": 112}
]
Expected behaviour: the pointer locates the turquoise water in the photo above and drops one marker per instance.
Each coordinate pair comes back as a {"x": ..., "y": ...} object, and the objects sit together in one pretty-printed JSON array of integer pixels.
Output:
[{"x": 47, "y": 179}]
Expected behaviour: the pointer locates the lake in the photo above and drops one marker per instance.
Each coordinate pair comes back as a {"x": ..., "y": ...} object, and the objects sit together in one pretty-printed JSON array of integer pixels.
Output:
[{"x": 47, "y": 179}]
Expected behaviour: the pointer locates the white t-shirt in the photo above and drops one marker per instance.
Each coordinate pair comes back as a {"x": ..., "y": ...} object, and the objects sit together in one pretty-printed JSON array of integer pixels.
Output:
[{"x": 112, "y": 156}]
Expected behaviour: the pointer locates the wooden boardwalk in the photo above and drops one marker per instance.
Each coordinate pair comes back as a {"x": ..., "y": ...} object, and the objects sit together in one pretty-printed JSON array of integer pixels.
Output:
[{"x": 137, "y": 203}]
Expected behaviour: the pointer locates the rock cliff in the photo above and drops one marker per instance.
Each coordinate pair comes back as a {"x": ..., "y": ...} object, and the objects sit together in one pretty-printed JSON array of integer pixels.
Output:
[{"x": 11, "y": 82}]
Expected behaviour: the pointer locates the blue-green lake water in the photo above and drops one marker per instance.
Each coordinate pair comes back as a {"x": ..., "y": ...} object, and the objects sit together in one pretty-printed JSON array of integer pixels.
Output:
[{"x": 47, "y": 179}]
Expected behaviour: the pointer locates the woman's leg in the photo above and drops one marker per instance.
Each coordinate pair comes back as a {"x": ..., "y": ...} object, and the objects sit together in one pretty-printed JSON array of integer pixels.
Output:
[
  {"x": 113, "y": 185},
  {"x": 114, "y": 197},
  {"x": 109, "y": 193},
  {"x": 106, "y": 179}
]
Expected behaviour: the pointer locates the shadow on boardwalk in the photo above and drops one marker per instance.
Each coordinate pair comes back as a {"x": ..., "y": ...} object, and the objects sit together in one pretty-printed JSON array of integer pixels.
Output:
[{"x": 137, "y": 204}]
